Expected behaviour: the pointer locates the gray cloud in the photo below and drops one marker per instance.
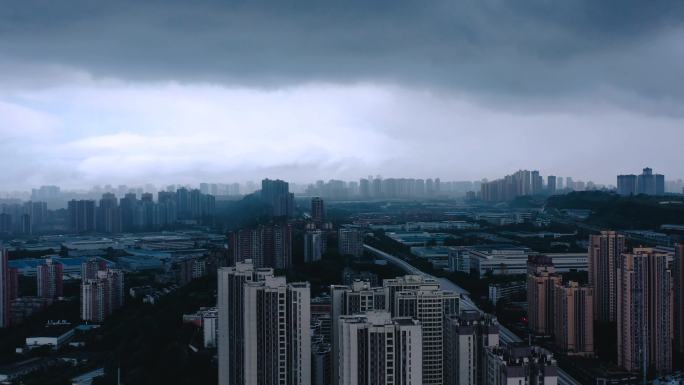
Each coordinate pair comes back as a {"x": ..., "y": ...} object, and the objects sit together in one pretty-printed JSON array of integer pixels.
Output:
[{"x": 491, "y": 47}]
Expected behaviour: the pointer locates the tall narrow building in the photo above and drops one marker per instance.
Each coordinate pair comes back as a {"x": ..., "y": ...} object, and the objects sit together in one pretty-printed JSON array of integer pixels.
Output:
[
  {"x": 317, "y": 210},
  {"x": 678, "y": 278},
  {"x": 4, "y": 290},
  {"x": 49, "y": 279},
  {"x": 264, "y": 322},
  {"x": 644, "y": 312},
  {"x": 541, "y": 281},
  {"x": 466, "y": 336},
  {"x": 574, "y": 319},
  {"x": 604, "y": 262},
  {"x": 374, "y": 348},
  {"x": 421, "y": 298}
]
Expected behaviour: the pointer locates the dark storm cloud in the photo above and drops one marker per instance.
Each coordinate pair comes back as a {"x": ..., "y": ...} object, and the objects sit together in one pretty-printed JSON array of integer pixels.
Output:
[{"x": 534, "y": 47}]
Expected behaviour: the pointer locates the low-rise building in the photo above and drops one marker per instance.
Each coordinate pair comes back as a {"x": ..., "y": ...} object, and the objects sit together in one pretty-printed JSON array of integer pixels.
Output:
[
  {"x": 502, "y": 291},
  {"x": 54, "y": 335}
]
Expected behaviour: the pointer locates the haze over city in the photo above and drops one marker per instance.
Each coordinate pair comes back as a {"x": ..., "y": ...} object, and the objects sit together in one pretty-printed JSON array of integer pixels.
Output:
[
  {"x": 136, "y": 93},
  {"x": 355, "y": 192}
]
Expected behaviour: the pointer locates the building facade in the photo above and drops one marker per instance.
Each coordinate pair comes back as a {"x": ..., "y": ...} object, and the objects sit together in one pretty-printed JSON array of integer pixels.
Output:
[
  {"x": 317, "y": 210},
  {"x": 644, "y": 312},
  {"x": 4, "y": 290},
  {"x": 358, "y": 298},
  {"x": 314, "y": 245},
  {"x": 350, "y": 241},
  {"x": 604, "y": 255},
  {"x": 102, "y": 295},
  {"x": 678, "y": 279},
  {"x": 574, "y": 319},
  {"x": 465, "y": 338},
  {"x": 266, "y": 246},
  {"x": 541, "y": 281},
  {"x": 421, "y": 298},
  {"x": 374, "y": 348},
  {"x": 263, "y": 328},
  {"x": 49, "y": 277}
]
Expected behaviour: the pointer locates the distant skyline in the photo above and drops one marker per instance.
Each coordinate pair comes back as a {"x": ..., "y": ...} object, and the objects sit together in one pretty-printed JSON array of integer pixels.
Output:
[{"x": 180, "y": 92}]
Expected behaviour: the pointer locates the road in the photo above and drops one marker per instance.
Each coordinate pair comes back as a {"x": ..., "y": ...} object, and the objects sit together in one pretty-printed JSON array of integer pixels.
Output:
[{"x": 466, "y": 303}]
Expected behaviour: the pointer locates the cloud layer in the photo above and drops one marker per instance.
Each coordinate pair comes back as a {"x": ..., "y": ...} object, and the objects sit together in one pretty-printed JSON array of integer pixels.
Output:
[{"x": 175, "y": 91}]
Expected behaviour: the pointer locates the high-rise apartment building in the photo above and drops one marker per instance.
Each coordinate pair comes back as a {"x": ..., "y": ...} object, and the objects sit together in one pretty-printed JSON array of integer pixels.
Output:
[
  {"x": 551, "y": 184},
  {"x": 81, "y": 215},
  {"x": 90, "y": 268},
  {"x": 276, "y": 194},
  {"x": 604, "y": 255},
  {"x": 350, "y": 241},
  {"x": 651, "y": 184},
  {"x": 541, "y": 280},
  {"x": 678, "y": 280},
  {"x": 374, "y": 348},
  {"x": 520, "y": 364},
  {"x": 317, "y": 210},
  {"x": 644, "y": 312},
  {"x": 49, "y": 275},
  {"x": 263, "y": 328},
  {"x": 355, "y": 299},
  {"x": 421, "y": 298},
  {"x": 4, "y": 290},
  {"x": 537, "y": 183},
  {"x": 266, "y": 246},
  {"x": 102, "y": 295},
  {"x": 314, "y": 245},
  {"x": 465, "y": 338},
  {"x": 109, "y": 214},
  {"x": 627, "y": 185},
  {"x": 574, "y": 319},
  {"x": 646, "y": 183}
]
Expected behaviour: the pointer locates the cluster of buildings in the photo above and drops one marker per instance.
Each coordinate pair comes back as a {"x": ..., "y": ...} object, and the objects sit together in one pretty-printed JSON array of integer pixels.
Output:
[
  {"x": 102, "y": 290},
  {"x": 129, "y": 213},
  {"x": 23, "y": 218},
  {"x": 528, "y": 183},
  {"x": 14, "y": 309},
  {"x": 562, "y": 310},
  {"x": 647, "y": 183},
  {"x": 408, "y": 331},
  {"x": 638, "y": 290}
]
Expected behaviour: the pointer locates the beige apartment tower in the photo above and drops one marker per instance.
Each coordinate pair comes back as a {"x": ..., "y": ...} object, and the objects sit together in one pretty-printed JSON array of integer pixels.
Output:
[
  {"x": 574, "y": 315},
  {"x": 541, "y": 281}
]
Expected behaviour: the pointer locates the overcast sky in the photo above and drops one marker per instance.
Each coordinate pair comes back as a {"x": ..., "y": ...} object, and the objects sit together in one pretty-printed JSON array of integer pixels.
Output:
[{"x": 183, "y": 92}]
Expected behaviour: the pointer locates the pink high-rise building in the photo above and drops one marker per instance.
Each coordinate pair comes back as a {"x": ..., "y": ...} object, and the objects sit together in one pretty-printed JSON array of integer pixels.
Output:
[
  {"x": 49, "y": 279},
  {"x": 541, "y": 280},
  {"x": 574, "y": 318}
]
